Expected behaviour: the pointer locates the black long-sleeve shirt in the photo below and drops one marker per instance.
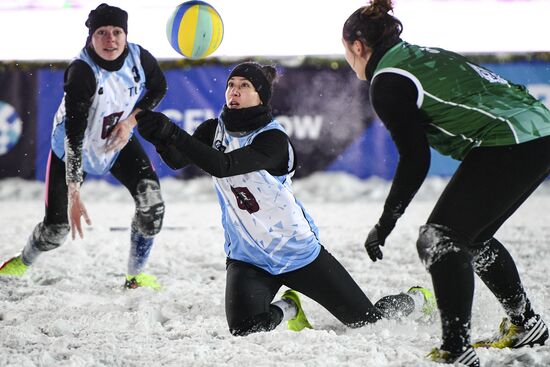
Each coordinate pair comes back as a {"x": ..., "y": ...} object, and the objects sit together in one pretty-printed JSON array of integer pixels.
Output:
[
  {"x": 394, "y": 97},
  {"x": 268, "y": 151}
]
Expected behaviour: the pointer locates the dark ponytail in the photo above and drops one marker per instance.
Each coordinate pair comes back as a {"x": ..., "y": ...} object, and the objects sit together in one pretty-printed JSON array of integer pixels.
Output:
[{"x": 373, "y": 25}]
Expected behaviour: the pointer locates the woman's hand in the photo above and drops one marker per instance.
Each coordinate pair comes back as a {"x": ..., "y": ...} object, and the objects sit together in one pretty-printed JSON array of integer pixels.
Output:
[
  {"x": 76, "y": 210},
  {"x": 156, "y": 128},
  {"x": 376, "y": 238},
  {"x": 120, "y": 135}
]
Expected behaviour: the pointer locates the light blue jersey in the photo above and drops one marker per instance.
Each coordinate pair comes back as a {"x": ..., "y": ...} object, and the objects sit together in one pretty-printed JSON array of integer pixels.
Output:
[
  {"x": 264, "y": 224},
  {"x": 116, "y": 95}
]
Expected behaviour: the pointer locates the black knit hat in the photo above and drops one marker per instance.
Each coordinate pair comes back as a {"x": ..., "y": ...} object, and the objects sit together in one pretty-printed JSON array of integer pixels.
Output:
[
  {"x": 105, "y": 15},
  {"x": 254, "y": 72}
]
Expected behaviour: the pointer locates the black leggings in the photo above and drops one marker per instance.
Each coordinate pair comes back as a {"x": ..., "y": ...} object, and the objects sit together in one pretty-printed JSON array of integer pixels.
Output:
[
  {"x": 250, "y": 291},
  {"x": 488, "y": 187},
  {"x": 132, "y": 166}
]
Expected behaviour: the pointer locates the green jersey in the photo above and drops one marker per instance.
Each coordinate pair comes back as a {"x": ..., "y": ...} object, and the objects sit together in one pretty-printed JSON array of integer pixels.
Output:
[{"x": 467, "y": 105}]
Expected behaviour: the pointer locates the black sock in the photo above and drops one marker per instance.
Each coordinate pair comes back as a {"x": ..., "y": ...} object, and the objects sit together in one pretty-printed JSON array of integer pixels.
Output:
[
  {"x": 496, "y": 267},
  {"x": 453, "y": 281}
]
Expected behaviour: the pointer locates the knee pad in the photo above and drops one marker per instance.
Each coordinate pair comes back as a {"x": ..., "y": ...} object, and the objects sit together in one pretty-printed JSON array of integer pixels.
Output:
[
  {"x": 149, "y": 208},
  {"x": 46, "y": 237},
  {"x": 434, "y": 242}
]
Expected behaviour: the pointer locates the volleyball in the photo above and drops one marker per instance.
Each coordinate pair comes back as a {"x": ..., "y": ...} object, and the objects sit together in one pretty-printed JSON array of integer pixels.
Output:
[{"x": 195, "y": 29}]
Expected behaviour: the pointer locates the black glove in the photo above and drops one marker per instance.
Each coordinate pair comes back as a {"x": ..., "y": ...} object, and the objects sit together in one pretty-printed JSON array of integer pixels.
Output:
[
  {"x": 375, "y": 239},
  {"x": 156, "y": 128}
]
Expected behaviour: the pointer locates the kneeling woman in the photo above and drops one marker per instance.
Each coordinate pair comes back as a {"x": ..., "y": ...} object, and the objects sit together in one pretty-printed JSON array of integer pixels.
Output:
[{"x": 270, "y": 239}]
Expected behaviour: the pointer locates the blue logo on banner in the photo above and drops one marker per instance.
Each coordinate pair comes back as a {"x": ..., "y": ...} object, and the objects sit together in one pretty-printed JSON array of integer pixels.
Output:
[{"x": 11, "y": 127}]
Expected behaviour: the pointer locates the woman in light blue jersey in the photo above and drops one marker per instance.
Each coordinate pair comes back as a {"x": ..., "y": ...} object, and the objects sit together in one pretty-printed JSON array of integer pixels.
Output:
[
  {"x": 270, "y": 239},
  {"x": 105, "y": 86},
  {"x": 431, "y": 97}
]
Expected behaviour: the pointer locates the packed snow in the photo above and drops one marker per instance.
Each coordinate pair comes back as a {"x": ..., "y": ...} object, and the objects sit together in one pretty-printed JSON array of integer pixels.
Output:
[{"x": 70, "y": 309}]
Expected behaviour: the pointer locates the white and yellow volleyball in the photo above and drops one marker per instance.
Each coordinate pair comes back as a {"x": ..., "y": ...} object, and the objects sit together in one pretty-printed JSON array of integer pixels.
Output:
[{"x": 195, "y": 29}]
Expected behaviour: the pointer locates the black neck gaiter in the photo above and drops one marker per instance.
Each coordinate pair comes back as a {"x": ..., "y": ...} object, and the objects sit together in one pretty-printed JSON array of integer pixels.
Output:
[
  {"x": 246, "y": 119},
  {"x": 377, "y": 54},
  {"x": 105, "y": 64}
]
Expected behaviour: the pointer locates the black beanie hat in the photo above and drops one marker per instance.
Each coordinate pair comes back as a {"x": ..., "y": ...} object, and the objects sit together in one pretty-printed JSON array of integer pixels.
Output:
[
  {"x": 253, "y": 72},
  {"x": 105, "y": 15}
]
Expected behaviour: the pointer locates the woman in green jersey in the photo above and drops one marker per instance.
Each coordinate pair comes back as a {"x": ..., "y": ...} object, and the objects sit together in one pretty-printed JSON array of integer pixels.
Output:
[{"x": 430, "y": 97}]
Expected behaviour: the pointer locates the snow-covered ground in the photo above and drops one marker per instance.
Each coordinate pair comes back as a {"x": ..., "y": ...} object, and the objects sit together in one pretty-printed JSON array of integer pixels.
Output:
[{"x": 70, "y": 309}]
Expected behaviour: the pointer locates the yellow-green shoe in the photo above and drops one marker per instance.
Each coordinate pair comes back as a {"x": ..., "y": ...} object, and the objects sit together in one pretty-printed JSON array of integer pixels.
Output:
[
  {"x": 534, "y": 332},
  {"x": 468, "y": 358},
  {"x": 13, "y": 267},
  {"x": 142, "y": 280},
  {"x": 430, "y": 305},
  {"x": 300, "y": 321}
]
